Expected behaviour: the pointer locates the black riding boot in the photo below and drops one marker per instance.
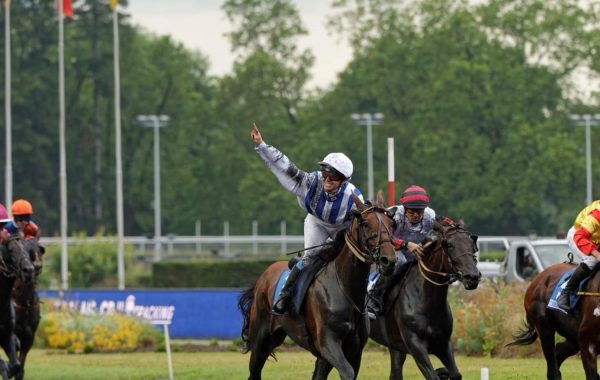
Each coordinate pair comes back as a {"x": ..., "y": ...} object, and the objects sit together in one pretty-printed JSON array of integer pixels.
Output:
[
  {"x": 282, "y": 304},
  {"x": 563, "y": 301},
  {"x": 375, "y": 302}
]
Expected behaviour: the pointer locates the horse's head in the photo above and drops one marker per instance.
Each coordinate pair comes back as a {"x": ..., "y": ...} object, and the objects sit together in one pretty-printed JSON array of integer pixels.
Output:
[
  {"x": 15, "y": 260},
  {"x": 460, "y": 248},
  {"x": 371, "y": 233}
]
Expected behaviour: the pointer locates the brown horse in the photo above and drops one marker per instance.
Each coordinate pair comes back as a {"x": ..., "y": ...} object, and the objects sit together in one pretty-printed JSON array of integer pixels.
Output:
[
  {"x": 334, "y": 324},
  {"x": 14, "y": 263},
  {"x": 27, "y": 305},
  {"x": 581, "y": 331},
  {"x": 418, "y": 320}
]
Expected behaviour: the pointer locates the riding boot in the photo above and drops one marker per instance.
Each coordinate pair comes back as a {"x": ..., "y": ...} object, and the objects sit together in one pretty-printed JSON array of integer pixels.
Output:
[
  {"x": 375, "y": 302},
  {"x": 282, "y": 304},
  {"x": 563, "y": 301}
]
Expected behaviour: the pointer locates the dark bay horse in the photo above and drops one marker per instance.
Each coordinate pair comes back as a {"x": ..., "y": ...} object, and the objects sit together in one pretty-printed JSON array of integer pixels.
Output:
[
  {"x": 334, "y": 324},
  {"x": 14, "y": 263},
  {"x": 581, "y": 331},
  {"x": 27, "y": 305},
  {"x": 418, "y": 319}
]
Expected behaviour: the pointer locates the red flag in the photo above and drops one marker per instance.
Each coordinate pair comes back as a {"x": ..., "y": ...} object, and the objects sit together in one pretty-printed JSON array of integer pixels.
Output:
[{"x": 67, "y": 8}]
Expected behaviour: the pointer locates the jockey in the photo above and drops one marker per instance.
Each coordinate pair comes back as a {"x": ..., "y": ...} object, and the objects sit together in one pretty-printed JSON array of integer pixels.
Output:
[
  {"x": 22, "y": 223},
  {"x": 414, "y": 221},
  {"x": 325, "y": 194},
  {"x": 583, "y": 238}
]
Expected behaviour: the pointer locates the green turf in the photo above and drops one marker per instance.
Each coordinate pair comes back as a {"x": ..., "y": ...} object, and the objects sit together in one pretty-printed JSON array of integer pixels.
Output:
[{"x": 45, "y": 365}]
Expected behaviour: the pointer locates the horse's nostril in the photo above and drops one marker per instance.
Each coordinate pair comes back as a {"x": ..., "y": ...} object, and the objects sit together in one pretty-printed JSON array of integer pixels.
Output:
[{"x": 384, "y": 261}]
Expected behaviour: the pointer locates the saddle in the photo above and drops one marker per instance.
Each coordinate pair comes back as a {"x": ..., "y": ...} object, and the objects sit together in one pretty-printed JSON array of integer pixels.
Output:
[
  {"x": 305, "y": 279},
  {"x": 573, "y": 297}
]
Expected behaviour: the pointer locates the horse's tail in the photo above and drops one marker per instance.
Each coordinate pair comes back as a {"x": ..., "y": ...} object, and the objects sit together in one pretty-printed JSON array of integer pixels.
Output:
[
  {"x": 244, "y": 304},
  {"x": 525, "y": 336}
]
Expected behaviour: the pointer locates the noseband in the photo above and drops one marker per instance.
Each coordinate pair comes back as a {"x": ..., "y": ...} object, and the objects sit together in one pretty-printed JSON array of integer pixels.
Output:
[
  {"x": 454, "y": 274},
  {"x": 360, "y": 246}
]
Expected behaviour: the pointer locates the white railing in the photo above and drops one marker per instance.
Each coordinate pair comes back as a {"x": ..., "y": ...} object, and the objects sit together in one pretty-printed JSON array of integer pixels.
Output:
[{"x": 231, "y": 246}]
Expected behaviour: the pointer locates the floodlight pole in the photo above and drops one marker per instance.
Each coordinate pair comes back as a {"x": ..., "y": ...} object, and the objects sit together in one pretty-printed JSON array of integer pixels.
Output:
[
  {"x": 587, "y": 120},
  {"x": 156, "y": 122},
  {"x": 369, "y": 120}
]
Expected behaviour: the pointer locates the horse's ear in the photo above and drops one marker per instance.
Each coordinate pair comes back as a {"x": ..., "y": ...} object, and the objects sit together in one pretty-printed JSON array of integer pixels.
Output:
[
  {"x": 461, "y": 223},
  {"x": 359, "y": 204},
  {"x": 380, "y": 200}
]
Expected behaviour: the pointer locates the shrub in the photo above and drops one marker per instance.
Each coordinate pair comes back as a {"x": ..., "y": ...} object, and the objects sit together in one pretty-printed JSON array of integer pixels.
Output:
[
  {"x": 92, "y": 264},
  {"x": 79, "y": 333},
  {"x": 487, "y": 318}
]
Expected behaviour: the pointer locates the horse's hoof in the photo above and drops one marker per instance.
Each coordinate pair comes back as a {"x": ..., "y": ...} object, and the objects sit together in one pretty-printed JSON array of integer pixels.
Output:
[
  {"x": 14, "y": 369},
  {"x": 443, "y": 373}
]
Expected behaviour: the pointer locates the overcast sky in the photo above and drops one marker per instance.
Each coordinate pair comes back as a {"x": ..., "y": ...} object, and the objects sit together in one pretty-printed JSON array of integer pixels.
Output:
[{"x": 200, "y": 25}]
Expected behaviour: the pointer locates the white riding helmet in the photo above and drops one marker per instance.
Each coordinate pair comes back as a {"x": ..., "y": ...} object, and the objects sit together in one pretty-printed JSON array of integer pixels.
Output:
[{"x": 340, "y": 162}]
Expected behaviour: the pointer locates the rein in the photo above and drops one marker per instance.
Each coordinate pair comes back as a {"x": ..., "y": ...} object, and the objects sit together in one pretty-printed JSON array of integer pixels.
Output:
[
  {"x": 450, "y": 277},
  {"x": 373, "y": 254},
  {"x": 370, "y": 256}
]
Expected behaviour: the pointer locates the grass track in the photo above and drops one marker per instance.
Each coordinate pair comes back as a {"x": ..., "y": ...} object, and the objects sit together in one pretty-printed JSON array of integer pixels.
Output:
[{"x": 45, "y": 365}]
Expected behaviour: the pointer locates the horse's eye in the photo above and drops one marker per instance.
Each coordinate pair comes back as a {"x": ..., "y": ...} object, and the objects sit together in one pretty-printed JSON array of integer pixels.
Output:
[{"x": 364, "y": 223}]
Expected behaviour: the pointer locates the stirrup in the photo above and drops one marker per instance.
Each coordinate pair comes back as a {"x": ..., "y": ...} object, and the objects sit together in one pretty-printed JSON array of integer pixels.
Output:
[{"x": 565, "y": 306}]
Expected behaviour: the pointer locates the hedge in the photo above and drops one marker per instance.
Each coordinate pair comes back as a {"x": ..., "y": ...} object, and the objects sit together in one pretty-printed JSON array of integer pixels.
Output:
[{"x": 207, "y": 274}]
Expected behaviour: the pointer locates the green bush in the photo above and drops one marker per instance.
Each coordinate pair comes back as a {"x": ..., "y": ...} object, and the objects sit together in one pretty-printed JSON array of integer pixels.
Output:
[
  {"x": 487, "y": 318},
  {"x": 92, "y": 264},
  {"x": 207, "y": 273}
]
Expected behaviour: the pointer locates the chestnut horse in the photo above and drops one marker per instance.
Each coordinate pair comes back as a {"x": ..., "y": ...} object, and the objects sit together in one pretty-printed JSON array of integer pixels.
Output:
[
  {"x": 418, "y": 319},
  {"x": 334, "y": 324},
  {"x": 580, "y": 329}
]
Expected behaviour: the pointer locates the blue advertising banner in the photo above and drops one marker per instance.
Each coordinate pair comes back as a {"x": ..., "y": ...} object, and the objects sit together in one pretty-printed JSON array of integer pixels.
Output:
[{"x": 195, "y": 314}]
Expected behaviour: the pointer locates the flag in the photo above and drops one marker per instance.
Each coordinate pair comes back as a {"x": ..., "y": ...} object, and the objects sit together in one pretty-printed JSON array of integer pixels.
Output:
[
  {"x": 113, "y": 4},
  {"x": 67, "y": 8}
]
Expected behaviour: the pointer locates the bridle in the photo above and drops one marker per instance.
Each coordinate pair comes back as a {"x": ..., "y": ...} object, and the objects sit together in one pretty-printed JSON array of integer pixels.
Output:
[
  {"x": 361, "y": 245},
  {"x": 454, "y": 274}
]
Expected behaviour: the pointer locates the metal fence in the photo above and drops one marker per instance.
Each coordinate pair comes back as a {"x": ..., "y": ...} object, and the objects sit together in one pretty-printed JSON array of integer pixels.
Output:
[{"x": 230, "y": 246}]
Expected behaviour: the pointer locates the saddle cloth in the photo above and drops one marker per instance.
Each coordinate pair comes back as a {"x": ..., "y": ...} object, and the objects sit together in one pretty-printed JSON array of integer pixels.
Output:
[
  {"x": 573, "y": 299},
  {"x": 306, "y": 277}
]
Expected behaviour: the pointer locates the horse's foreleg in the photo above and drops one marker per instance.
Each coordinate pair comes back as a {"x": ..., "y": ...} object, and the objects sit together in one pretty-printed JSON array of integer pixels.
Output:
[
  {"x": 548, "y": 347},
  {"x": 263, "y": 344},
  {"x": 322, "y": 369},
  {"x": 418, "y": 350},
  {"x": 3, "y": 370},
  {"x": 564, "y": 350},
  {"x": 588, "y": 359},
  {"x": 446, "y": 356},
  {"x": 397, "y": 359},
  {"x": 330, "y": 348}
]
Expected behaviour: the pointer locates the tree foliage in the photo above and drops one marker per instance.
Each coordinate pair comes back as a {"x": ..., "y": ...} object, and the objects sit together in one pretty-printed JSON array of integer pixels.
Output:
[{"x": 475, "y": 95}]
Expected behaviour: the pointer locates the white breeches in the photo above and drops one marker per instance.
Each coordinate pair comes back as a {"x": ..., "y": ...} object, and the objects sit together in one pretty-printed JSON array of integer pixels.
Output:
[
  {"x": 589, "y": 260},
  {"x": 316, "y": 232}
]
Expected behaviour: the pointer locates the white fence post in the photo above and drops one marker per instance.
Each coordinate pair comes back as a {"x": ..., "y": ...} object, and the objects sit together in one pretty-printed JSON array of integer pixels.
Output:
[
  {"x": 198, "y": 234},
  {"x": 254, "y": 236},
  {"x": 226, "y": 236},
  {"x": 485, "y": 373},
  {"x": 283, "y": 235}
]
